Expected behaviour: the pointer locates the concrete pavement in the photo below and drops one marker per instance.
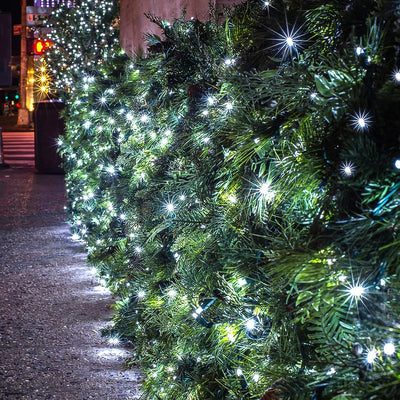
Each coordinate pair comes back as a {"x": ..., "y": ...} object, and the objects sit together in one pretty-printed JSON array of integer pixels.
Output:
[{"x": 51, "y": 304}]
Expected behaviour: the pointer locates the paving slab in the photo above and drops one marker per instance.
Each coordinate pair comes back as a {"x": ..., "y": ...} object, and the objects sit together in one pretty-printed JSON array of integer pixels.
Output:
[{"x": 51, "y": 304}]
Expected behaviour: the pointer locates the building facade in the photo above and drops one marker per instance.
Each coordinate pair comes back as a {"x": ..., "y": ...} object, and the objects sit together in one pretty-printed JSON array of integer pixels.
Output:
[{"x": 134, "y": 24}]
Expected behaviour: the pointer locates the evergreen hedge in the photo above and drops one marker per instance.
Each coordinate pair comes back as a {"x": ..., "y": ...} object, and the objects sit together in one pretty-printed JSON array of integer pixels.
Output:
[{"x": 237, "y": 188}]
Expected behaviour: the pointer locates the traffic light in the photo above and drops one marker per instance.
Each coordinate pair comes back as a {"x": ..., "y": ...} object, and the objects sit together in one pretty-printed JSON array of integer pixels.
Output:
[{"x": 40, "y": 46}]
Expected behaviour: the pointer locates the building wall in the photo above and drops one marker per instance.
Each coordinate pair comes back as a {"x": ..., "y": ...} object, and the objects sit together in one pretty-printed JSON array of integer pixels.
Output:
[{"x": 134, "y": 24}]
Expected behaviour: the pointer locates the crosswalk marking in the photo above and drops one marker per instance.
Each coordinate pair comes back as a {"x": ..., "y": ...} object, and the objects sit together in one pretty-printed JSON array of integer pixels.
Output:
[{"x": 19, "y": 149}]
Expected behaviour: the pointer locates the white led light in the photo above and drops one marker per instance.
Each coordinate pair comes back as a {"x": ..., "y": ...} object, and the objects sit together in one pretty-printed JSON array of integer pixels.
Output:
[
  {"x": 172, "y": 293},
  {"x": 256, "y": 377},
  {"x": 371, "y": 356},
  {"x": 265, "y": 191},
  {"x": 359, "y": 50},
  {"x": 141, "y": 294},
  {"x": 199, "y": 310},
  {"x": 389, "y": 349},
  {"x": 289, "y": 41},
  {"x": 396, "y": 76},
  {"x": 397, "y": 164},
  {"x": 138, "y": 249},
  {"x": 170, "y": 207},
  {"x": 357, "y": 291},
  {"x": 113, "y": 341},
  {"x": 239, "y": 372},
  {"x": 250, "y": 324},
  {"x": 229, "y": 106},
  {"x": 111, "y": 170},
  {"x": 210, "y": 100},
  {"x": 232, "y": 198},
  {"x": 241, "y": 282},
  {"x": 264, "y": 188},
  {"x": 331, "y": 371},
  {"x": 361, "y": 121},
  {"x": 342, "y": 278},
  {"x": 144, "y": 118},
  {"x": 347, "y": 168}
]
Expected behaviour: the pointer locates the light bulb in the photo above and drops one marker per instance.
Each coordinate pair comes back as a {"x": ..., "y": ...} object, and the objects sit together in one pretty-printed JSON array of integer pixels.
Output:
[
  {"x": 389, "y": 349},
  {"x": 371, "y": 356},
  {"x": 114, "y": 341},
  {"x": 250, "y": 324},
  {"x": 361, "y": 121},
  {"x": 357, "y": 291},
  {"x": 289, "y": 41},
  {"x": 241, "y": 282},
  {"x": 331, "y": 371},
  {"x": 347, "y": 168},
  {"x": 265, "y": 191}
]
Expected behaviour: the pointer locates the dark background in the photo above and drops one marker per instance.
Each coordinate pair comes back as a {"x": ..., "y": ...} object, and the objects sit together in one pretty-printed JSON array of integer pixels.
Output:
[{"x": 14, "y": 7}]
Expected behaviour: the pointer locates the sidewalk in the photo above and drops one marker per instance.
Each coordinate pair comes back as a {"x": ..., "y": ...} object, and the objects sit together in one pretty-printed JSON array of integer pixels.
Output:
[{"x": 51, "y": 306}]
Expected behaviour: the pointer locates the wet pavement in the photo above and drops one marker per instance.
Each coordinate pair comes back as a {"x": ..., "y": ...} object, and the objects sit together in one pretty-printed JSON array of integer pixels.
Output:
[{"x": 51, "y": 304}]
